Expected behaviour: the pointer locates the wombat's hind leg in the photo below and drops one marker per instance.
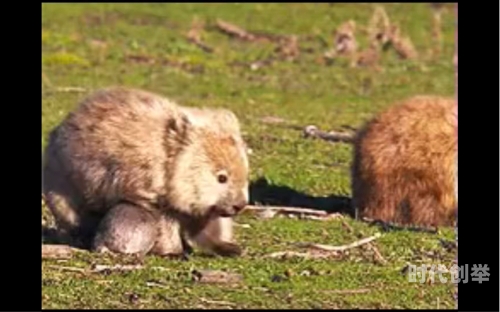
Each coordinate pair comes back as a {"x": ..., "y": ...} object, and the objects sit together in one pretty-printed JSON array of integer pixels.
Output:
[{"x": 126, "y": 229}]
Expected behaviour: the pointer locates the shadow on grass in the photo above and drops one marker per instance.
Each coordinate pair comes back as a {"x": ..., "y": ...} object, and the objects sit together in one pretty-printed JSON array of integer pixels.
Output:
[
  {"x": 50, "y": 236},
  {"x": 263, "y": 193}
]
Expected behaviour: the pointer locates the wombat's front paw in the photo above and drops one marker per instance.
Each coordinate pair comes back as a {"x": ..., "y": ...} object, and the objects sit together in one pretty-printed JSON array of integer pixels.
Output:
[{"x": 226, "y": 249}]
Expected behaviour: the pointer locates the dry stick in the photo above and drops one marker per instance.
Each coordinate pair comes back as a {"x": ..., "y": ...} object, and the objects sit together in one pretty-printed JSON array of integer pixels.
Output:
[
  {"x": 332, "y": 136},
  {"x": 311, "y": 130},
  {"x": 343, "y": 247},
  {"x": 226, "y": 303},
  {"x": 153, "y": 284},
  {"x": 194, "y": 36},
  {"x": 348, "y": 291},
  {"x": 216, "y": 277},
  {"x": 234, "y": 30},
  {"x": 201, "y": 45},
  {"x": 70, "y": 89},
  {"x": 66, "y": 268},
  {"x": 378, "y": 256},
  {"x": 324, "y": 218},
  {"x": 102, "y": 267},
  {"x": 98, "y": 268},
  {"x": 278, "y": 209},
  {"x": 305, "y": 255},
  {"x": 50, "y": 251}
]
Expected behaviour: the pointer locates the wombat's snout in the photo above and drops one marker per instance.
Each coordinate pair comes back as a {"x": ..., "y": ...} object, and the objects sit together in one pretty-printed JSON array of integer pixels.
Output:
[{"x": 239, "y": 206}]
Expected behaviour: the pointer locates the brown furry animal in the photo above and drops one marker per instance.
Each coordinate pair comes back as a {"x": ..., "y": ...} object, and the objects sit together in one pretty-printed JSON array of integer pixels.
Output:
[
  {"x": 132, "y": 172},
  {"x": 404, "y": 167}
]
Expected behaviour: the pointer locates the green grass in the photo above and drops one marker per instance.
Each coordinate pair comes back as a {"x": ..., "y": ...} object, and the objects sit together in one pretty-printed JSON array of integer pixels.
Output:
[{"x": 93, "y": 46}]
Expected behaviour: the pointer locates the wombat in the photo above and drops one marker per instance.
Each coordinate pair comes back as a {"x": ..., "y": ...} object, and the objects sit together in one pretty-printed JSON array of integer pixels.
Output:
[
  {"x": 404, "y": 167},
  {"x": 129, "y": 171}
]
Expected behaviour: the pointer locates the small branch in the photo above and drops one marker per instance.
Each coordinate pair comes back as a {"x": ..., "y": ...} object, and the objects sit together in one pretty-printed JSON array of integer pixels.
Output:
[
  {"x": 348, "y": 291},
  {"x": 332, "y": 136},
  {"x": 225, "y": 303},
  {"x": 68, "y": 89},
  {"x": 201, "y": 45},
  {"x": 295, "y": 254},
  {"x": 194, "y": 36},
  {"x": 311, "y": 131},
  {"x": 216, "y": 277},
  {"x": 234, "y": 30},
  {"x": 98, "y": 268},
  {"x": 50, "y": 251},
  {"x": 327, "y": 217},
  {"x": 277, "y": 209},
  {"x": 378, "y": 256},
  {"x": 66, "y": 268},
  {"x": 153, "y": 284},
  {"x": 343, "y": 247}
]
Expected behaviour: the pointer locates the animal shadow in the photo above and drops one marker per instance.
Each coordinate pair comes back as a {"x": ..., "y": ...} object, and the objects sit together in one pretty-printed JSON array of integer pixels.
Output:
[
  {"x": 263, "y": 193},
  {"x": 50, "y": 236}
]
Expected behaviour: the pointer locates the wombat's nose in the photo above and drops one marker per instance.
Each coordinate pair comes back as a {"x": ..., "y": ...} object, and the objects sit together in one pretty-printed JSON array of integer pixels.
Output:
[{"x": 238, "y": 207}]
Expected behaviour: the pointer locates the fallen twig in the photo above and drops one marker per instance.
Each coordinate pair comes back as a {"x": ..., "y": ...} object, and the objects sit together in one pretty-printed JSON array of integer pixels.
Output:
[
  {"x": 378, "y": 256},
  {"x": 348, "y": 291},
  {"x": 327, "y": 217},
  {"x": 216, "y": 277},
  {"x": 305, "y": 255},
  {"x": 332, "y": 136},
  {"x": 343, "y": 247},
  {"x": 153, "y": 284},
  {"x": 240, "y": 33},
  {"x": 50, "y": 251},
  {"x": 69, "y": 89},
  {"x": 226, "y": 303},
  {"x": 66, "y": 268},
  {"x": 108, "y": 268},
  {"x": 277, "y": 209},
  {"x": 234, "y": 30},
  {"x": 194, "y": 36},
  {"x": 201, "y": 45}
]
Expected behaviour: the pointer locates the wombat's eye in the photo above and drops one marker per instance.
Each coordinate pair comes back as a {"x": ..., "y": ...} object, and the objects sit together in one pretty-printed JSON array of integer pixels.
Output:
[{"x": 222, "y": 178}]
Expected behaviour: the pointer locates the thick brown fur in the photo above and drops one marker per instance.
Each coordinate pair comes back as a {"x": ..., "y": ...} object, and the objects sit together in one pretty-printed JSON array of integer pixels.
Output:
[
  {"x": 404, "y": 166},
  {"x": 142, "y": 154}
]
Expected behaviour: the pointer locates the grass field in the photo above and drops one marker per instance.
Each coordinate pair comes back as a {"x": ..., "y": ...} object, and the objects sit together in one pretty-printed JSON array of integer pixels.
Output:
[{"x": 90, "y": 46}]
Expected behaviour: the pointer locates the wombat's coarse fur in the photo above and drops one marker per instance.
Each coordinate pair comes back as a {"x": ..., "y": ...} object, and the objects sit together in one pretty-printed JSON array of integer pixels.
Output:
[
  {"x": 138, "y": 172},
  {"x": 404, "y": 166}
]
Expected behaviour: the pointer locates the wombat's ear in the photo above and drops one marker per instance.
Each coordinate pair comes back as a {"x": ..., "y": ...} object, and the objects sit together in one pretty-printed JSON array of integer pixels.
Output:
[
  {"x": 179, "y": 128},
  {"x": 227, "y": 116}
]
